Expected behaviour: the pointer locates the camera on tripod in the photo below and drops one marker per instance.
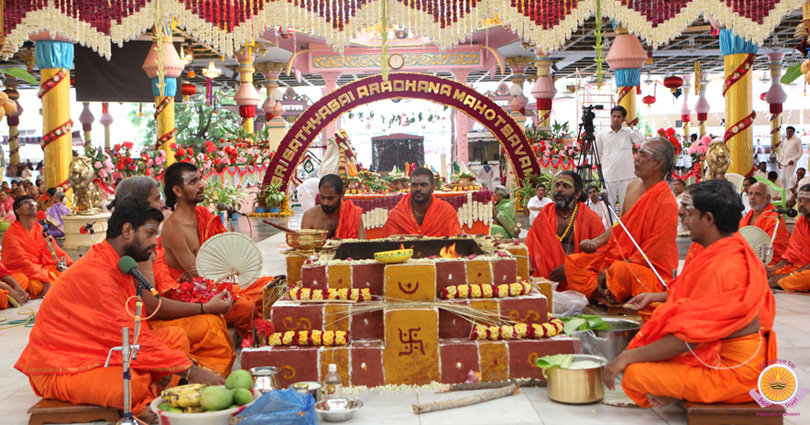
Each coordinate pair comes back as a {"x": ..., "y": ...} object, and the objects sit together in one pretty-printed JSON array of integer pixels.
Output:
[{"x": 587, "y": 121}]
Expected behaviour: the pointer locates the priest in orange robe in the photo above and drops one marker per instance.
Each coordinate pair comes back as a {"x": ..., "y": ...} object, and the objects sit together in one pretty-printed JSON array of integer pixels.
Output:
[
  {"x": 621, "y": 270},
  {"x": 792, "y": 272},
  {"x": 210, "y": 345},
  {"x": 421, "y": 212},
  {"x": 76, "y": 327},
  {"x": 189, "y": 226},
  {"x": 11, "y": 292},
  {"x": 762, "y": 215},
  {"x": 709, "y": 340},
  {"x": 29, "y": 251},
  {"x": 340, "y": 217},
  {"x": 560, "y": 227}
]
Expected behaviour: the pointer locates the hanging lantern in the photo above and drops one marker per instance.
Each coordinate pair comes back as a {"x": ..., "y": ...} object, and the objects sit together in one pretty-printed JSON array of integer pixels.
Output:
[
  {"x": 648, "y": 100},
  {"x": 673, "y": 83},
  {"x": 286, "y": 32},
  {"x": 191, "y": 73},
  {"x": 188, "y": 90}
]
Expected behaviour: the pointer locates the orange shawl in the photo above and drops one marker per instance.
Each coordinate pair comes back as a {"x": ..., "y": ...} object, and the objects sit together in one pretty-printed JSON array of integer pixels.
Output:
[
  {"x": 545, "y": 250},
  {"x": 208, "y": 225},
  {"x": 441, "y": 219},
  {"x": 798, "y": 252},
  {"x": 767, "y": 222},
  {"x": 27, "y": 252},
  {"x": 721, "y": 291},
  {"x": 81, "y": 319},
  {"x": 349, "y": 220}
]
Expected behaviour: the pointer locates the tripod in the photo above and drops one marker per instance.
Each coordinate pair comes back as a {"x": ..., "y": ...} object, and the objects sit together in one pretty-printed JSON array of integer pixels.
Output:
[{"x": 589, "y": 166}]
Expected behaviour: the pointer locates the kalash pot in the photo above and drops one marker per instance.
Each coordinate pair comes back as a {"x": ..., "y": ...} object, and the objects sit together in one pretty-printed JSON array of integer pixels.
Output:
[{"x": 265, "y": 379}]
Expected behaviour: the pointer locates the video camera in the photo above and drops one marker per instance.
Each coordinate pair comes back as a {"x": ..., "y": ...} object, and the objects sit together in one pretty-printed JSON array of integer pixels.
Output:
[{"x": 587, "y": 121}]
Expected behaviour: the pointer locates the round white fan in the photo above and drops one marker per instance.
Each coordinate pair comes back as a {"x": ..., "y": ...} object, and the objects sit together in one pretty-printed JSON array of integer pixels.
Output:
[
  {"x": 759, "y": 241},
  {"x": 230, "y": 254}
]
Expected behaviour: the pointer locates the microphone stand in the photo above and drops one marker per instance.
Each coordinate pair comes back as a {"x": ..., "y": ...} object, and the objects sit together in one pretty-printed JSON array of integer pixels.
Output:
[
  {"x": 643, "y": 254},
  {"x": 128, "y": 352}
]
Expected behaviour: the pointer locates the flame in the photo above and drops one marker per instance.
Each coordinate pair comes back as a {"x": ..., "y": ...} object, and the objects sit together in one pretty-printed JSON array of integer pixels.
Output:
[
  {"x": 449, "y": 252},
  {"x": 401, "y": 246}
]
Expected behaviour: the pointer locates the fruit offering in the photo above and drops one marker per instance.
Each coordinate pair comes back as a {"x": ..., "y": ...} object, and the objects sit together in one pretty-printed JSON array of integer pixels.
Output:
[{"x": 198, "y": 398}]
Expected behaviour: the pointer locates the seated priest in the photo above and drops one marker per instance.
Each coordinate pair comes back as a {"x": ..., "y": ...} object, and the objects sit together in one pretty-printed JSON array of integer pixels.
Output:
[
  {"x": 189, "y": 226},
  {"x": 621, "y": 270},
  {"x": 792, "y": 272},
  {"x": 31, "y": 251},
  {"x": 210, "y": 345},
  {"x": 503, "y": 214},
  {"x": 77, "y": 326},
  {"x": 339, "y": 216},
  {"x": 421, "y": 212},
  {"x": 709, "y": 340},
  {"x": 560, "y": 227},
  {"x": 762, "y": 215}
]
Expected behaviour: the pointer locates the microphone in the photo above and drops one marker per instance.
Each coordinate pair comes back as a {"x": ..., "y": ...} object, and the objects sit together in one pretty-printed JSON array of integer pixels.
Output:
[
  {"x": 87, "y": 228},
  {"x": 790, "y": 213},
  {"x": 127, "y": 265},
  {"x": 222, "y": 207},
  {"x": 43, "y": 221}
]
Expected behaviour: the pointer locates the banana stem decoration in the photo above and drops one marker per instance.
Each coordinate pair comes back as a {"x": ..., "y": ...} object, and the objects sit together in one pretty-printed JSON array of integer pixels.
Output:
[
  {"x": 599, "y": 43},
  {"x": 384, "y": 54}
]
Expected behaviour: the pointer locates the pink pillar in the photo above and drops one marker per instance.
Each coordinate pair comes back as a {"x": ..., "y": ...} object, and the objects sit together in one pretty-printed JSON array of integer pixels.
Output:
[
  {"x": 462, "y": 126},
  {"x": 331, "y": 85}
]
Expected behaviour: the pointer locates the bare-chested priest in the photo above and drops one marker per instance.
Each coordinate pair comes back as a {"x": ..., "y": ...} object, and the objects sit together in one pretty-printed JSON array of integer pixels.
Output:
[
  {"x": 339, "y": 216},
  {"x": 184, "y": 232}
]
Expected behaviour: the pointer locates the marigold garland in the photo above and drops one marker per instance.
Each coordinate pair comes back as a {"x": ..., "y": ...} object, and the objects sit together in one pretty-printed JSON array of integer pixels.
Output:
[
  {"x": 520, "y": 331},
  {"x": 345, "y": 294},
  {"x": 486, "y": 290},
  {"x": 310, "y": 338}
]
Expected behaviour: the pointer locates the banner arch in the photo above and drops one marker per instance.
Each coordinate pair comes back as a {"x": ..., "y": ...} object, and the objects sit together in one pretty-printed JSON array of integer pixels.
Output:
[{"x": 440, "y": 90}]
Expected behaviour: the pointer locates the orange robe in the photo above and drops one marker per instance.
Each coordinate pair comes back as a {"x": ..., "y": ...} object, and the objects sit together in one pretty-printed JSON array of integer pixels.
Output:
[
  {"x": 441, "y": 219},
  {"x": 4, "y": 295},
  {"x": 349, "y": 220},
  {"x": 653, "y": 223},
  {"x": 26, "y": 252},
  {"x": 723, "y": 289},
  {"x": 77, "y": 324},
  {"x": 767, "y": 222},
  {"x": 798, "y": 255},
  {"x": 248, "y": 305},
  {"x": 545, "y": 250}
]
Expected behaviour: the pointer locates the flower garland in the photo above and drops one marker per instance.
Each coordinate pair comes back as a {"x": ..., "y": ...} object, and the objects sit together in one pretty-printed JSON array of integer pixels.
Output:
[
  {"x": 553, "y": 327},
  {"x": 486, "y": 290},
  {"x": 345, "y": 294},
  {"x": 310, "y": 338},
  {"x": 52, "y": 82},
  {"x": 56, "y": 133},
  {"x": 740, "y": 126},
  {"x": 738, "y": 73}
]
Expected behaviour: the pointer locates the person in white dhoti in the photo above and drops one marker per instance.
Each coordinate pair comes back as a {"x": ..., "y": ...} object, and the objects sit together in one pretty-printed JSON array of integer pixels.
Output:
[
  {"x": 792, "y": 151},
  {"x": 615, "y": 148}
]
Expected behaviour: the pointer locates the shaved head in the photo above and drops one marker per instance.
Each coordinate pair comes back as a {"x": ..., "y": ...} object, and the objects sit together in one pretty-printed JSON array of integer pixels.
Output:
[{"x": 759, "y": 196}]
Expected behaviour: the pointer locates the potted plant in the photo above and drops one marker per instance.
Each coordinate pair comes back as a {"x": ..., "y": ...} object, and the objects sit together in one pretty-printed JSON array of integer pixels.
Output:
[
  {"x": 273, "y": 197},
  {"x": 217, "y": 192}
]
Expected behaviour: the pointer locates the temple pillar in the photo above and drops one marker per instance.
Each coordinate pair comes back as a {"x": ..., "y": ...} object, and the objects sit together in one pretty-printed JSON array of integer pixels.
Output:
[
  {"x": 544, "y": 91},
  {"x": 626, "y": 57},
  {"x": 13, "y": 121},
  {"x": 517, "y": 105},
  {"x": 86, "y": 118},
  {"x": 164, "y": 93},
  {"x": 330, "y": 78},
  {"x": 775, "y": 97},
  {"x": 246, "y": 96},
  {"x": 462, "y": 155},
  {"x": 276, "y": 126},
  {"x": 738, "y": 56},
  {"x": 106, "y": 120},
  {"x": 54, "y": 59},
  {"x": 686, "y": 111},
  {"x": 702, "y": 107}
]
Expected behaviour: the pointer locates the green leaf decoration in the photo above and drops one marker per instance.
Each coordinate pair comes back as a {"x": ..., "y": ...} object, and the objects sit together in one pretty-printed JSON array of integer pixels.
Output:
[
  {"x": 21, "y": 74},
  {"x": 557, "y": 360},
  {"x": 793, "y": 72}
]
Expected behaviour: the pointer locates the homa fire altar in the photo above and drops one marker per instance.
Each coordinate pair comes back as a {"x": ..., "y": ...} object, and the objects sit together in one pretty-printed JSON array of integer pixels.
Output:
[{"x": 459, "y": 305}]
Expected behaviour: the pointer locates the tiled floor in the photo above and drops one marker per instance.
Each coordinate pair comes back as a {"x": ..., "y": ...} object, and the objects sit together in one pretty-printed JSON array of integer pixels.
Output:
[{"x": 530, "y": 406}]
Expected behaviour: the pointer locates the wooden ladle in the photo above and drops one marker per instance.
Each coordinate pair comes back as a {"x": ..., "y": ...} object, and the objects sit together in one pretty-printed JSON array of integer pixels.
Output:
[{"x": 280, "y": 227}]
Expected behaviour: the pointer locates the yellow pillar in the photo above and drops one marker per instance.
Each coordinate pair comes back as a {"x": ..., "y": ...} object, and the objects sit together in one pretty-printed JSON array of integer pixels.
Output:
[
  {"x": 164, "y": 57},
  {"x": 738, "y": 58},
  {"x": 54, "y": 59},
  {"x": 165, "y": 126}
]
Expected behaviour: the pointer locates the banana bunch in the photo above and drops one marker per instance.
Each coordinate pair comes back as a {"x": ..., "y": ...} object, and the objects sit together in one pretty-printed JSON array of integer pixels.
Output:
[{"x": 184, "y": 396}]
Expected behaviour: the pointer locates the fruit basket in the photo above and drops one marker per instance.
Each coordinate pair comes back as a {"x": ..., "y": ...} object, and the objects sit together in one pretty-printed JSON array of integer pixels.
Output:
[{"x": 217, "y": 417}]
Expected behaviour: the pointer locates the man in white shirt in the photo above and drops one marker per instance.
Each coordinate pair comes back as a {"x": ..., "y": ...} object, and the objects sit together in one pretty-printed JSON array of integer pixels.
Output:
[
  {"x": 598, "y": 206},
  {"x": 537, "y": 203},
  {"x": 793, "y": 185},
  {"x": 678, "y": 188},
  {"x": 762, "y": 170},
  {"x": 615, "y": 148},
  {"x": 747, "y": 183},
  {"x": 792, "y": 151}
]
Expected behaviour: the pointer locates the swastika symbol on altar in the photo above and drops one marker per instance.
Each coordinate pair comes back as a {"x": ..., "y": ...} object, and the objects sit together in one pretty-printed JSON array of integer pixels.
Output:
[{"x": 411, "y": 341}]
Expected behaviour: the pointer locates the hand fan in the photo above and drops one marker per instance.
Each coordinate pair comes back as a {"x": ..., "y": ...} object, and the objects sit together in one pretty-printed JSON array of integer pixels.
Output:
[
  {"x": 230, "y": 254},
  {"x": 759, "y": 241}
]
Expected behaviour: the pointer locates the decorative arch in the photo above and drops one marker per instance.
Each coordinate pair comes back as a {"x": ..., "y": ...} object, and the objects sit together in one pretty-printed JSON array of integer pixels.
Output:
[{"x": 314, "y": 120}]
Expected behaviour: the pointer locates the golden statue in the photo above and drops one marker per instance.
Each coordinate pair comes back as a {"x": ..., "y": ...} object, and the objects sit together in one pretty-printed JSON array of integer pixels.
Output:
[
  {"x": 86, "y": 200},
  {"x": 718, "y": 158}
]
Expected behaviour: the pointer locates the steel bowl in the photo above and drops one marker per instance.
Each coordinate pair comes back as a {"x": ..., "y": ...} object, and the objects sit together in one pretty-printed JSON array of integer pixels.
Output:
[
  {"x": 577, "y": 386},
  {"x": 338, "y": 409},
  {"x": 618, "y": 337},
  {"x": 307, "y": 238}
]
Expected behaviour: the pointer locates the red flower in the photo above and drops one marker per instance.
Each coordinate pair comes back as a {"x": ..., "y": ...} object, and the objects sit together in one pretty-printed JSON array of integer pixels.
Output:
[
  {"x": 181, "y": 152},
  {"x": 210, "y": 148},
  {"x": 670, "y": 132},
  {"x": 127, "y": 145},
  {"x": 173, "y": 146},
  {"x": 128, "y": 160},
  {"x": 120, "y": 165},
  {"x": 132, "y": 167},
  {"x": 191, "y": 152},
  {"x": 217, "y": 161},
  {"x": 117, "y": 147}
]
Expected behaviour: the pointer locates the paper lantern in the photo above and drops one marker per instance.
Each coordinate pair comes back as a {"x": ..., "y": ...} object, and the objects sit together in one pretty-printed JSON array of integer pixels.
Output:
[
  {"x": 188, "y": 90},
  {"x": 673, "y": 83},
  {"x": 648, "y": 100}
]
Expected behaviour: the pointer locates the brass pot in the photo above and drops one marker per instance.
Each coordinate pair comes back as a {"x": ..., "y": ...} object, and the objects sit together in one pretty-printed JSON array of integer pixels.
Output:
[
  {"x": 577, "y": 386},
  {"x": 307, "y": 238}
]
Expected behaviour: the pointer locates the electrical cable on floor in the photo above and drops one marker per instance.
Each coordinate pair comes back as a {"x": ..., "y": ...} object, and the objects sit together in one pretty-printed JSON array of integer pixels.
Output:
[{"x": 28, "y": 322}]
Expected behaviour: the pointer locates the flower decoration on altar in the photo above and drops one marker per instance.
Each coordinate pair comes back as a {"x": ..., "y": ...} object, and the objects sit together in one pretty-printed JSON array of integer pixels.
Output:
[
  {"x": 217, "y": 157},
  {"x": 264, "y": 329},
  {"x": 102, "y": 164},
  {"x": 698, "y": 149},
  {"x": 670, "y": 135},
  {"x": 121, "y": 157},
  {"x": 553, "y": 147},
  {"x": 199, "y": 290}
]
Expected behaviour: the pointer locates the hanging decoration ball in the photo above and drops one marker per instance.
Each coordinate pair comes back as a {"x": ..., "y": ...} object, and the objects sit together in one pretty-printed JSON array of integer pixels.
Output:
[
  {"x": 188, "y": 90},
  {"x": 286, "y": 32},
  {"x": 673, "y": 83},
  {"x": 515, "y": 90},
  {"x": 277, "y": 94},
  {"x": 648, "y": 100}
]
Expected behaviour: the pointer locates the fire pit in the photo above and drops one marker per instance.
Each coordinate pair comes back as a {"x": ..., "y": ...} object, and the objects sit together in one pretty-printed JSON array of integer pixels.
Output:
[{"x": 422, "y": 248}]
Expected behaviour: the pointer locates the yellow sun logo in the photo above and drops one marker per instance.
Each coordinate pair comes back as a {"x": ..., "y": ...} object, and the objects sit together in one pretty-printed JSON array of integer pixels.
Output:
[{"x": 777, "y": 383}]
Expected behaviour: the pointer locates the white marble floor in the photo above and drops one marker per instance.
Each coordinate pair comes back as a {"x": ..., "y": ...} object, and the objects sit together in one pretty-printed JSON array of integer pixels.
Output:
[{"x": 530, "y": 406}]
